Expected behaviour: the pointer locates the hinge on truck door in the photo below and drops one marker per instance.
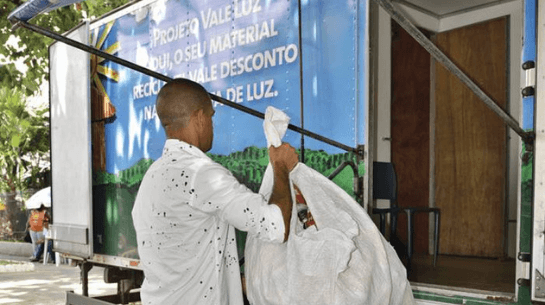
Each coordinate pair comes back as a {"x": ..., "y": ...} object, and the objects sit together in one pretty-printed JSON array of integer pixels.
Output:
[
  {"x": 525, "y": 257},
  {"x": 530, "y": 78},
  {"x": 360, "y": 154},
  {"x": 529, "y": 90}
]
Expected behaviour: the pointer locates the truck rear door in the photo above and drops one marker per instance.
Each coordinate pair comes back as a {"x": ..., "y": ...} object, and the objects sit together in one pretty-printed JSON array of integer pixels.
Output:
[{"x": 71, "y": 146}]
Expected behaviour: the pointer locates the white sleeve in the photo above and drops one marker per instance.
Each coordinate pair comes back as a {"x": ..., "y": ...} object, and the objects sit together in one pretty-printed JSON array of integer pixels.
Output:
[{"x": 217, "y": 191}]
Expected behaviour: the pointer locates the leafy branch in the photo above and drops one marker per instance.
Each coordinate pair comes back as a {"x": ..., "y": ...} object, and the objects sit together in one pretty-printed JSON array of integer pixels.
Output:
[
  {"x": 24, "y": 139},
  {"x": 31, "y": 48}
]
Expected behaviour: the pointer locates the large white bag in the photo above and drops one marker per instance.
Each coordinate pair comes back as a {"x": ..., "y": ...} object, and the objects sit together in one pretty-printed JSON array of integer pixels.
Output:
[{"x": 343, "y": 259}]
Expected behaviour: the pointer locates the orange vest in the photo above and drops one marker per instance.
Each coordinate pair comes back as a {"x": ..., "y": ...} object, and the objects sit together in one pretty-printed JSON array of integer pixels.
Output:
[{"x": 37, "y": 221}]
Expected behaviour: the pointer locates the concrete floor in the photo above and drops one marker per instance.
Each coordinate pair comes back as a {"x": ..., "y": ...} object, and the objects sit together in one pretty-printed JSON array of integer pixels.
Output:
[{"x": 47, "y": 284}]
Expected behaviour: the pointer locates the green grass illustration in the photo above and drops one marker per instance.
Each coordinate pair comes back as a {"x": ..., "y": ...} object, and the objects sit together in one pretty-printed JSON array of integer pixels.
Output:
[{"x": 114, "y": 195}]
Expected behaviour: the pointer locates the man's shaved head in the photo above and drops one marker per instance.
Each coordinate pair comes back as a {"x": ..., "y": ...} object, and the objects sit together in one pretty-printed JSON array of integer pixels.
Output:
[{"x": 178, "y": 100}]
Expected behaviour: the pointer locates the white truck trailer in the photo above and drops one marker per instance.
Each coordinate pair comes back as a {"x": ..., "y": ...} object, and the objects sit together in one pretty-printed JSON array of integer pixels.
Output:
[{"x": 447, "y": 92}]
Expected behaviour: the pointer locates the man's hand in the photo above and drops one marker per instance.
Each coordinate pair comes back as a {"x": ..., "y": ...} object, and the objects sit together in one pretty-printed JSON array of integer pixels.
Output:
[{"x": 283, "y": 158}]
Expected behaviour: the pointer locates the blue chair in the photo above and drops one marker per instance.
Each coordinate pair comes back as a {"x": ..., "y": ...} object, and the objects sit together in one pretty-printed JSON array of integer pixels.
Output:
[{"x": 385, "y": 187}]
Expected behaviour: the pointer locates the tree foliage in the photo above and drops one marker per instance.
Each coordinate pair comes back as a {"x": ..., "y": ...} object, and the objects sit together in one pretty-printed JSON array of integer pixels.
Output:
[
  {"x": 24, "y": 139},
  {"x": 32, "y": 48}
]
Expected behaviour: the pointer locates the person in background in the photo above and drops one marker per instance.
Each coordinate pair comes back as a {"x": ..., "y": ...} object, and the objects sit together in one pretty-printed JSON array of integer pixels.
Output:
[
  {"x": 40, "y": 244},
  {"x": 188, "y": 206},
  {"x": 36, "y": 221}
]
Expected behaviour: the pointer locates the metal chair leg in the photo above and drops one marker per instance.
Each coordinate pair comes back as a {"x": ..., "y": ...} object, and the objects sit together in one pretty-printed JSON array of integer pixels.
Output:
[
  {"x": 409, "y": 237},
  {"x": 393, "y": 222},
  {"x": 436, "y": 236},
  {"x": 383, "y": 223}
]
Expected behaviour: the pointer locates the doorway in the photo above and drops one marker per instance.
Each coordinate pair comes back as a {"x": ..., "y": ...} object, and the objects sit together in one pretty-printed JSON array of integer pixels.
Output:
[{"x": 450, "y": 151}]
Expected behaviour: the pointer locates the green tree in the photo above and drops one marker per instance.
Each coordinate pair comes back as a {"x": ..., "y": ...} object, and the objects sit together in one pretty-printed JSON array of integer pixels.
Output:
[
  {"x": 32, "y": 48},
  {"x": 23, "y": 138},
  {"x": 24, "y": 141}
]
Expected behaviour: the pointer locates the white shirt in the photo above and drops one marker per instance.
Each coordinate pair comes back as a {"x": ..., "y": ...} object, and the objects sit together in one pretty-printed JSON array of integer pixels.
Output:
[{"x": 184, "y": 215}]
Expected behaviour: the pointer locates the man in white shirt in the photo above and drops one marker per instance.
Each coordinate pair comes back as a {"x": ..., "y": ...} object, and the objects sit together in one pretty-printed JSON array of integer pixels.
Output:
[{"x": 188, "y": 206}]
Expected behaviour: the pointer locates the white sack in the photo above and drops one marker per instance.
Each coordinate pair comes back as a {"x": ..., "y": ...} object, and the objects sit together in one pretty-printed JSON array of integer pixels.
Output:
[{"x": 346, "y": 260}]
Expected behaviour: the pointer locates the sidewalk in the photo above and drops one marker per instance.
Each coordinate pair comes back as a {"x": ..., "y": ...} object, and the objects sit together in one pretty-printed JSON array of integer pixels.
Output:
[
  {"x": 15, "y": 249},
  {"x": 47, "y": 284}
]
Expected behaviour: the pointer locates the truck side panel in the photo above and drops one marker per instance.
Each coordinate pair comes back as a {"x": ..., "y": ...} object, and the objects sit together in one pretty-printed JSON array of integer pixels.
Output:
[{"x": 245, "y": 51}]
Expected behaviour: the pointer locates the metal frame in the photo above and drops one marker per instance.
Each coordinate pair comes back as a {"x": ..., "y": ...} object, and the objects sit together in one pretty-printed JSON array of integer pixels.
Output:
[
  {"x": 301, "y": 95},
  {"x": 73, "y": 299},
  {"x": 122, "y": 262},
  {"x": 538, "y": 232}
]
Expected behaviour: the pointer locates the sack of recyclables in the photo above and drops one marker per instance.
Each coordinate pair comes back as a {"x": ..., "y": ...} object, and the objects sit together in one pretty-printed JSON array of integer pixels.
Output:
[{"x": 338, "y": 258}]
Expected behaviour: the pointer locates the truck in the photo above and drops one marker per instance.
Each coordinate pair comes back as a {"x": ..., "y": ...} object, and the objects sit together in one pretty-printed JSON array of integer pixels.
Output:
[{"x": 446, "y": 92}]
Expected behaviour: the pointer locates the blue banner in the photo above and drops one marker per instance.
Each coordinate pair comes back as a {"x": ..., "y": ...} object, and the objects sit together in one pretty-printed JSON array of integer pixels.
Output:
[
  {"x": 246, "y": 51},
  {"x": 529, "y": 35}
]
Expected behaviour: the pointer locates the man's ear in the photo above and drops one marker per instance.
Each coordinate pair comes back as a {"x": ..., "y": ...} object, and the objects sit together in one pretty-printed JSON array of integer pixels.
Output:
[{"x": 200, "y": 117}]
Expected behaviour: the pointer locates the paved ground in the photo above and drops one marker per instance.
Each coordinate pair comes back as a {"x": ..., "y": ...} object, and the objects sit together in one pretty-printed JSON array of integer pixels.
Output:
[{"x": 47, "y": 284}]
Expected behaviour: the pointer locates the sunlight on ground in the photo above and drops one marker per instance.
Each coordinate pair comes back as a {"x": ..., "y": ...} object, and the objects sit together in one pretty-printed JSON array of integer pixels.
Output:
[
  {"x": 16, "y": 292},
  {"x": 9, "y": 301}
]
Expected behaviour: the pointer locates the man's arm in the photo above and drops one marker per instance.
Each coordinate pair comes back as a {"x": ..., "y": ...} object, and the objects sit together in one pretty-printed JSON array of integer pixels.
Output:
[{"x": 283, "y": 160}]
